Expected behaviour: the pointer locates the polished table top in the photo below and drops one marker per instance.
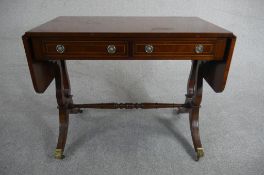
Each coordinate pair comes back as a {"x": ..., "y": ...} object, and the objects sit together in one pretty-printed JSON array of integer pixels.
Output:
[{"x": 131, "y": 26}]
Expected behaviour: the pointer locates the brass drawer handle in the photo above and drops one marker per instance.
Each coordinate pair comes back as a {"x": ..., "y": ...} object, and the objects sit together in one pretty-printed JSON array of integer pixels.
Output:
[
  {"x": 111, "y": 49},
  {"x": 149, "y": 48},
  {"x": 199, "y": 48},
  {"x": 60, "y": 48}
]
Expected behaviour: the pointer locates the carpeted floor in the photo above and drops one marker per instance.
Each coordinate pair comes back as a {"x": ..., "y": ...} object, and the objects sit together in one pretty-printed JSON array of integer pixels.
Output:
[{"x": 131, "y": 142}]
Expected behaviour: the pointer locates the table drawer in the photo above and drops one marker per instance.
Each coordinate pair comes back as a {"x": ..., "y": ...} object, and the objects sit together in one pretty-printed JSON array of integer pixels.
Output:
[
  {"x": 85, "y": 49},
  {"x": 132, "y": 49},
  {"x": 206, "y": 50}
]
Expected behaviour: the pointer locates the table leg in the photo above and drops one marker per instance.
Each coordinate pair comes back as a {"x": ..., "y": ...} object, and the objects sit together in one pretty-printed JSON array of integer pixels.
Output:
[
  {"x": 195, "y": 88},
  {"x": 67, "y": 88},
  {"x": 66, "y": 106},
  {"x": 63, "y": 130},
  {"x": 64, "y": 100},
  {"x": 190, "y": 90}
]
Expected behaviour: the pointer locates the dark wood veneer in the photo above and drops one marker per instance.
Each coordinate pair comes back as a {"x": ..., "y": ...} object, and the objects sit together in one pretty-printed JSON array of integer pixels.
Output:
[
  {"x": 84, "y": 49},
  {"x": 88, "y": 38}
]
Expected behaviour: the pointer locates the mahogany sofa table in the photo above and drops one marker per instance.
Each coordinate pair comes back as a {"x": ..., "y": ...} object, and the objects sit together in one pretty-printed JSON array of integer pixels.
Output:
[{"x": 48, "y": 47}]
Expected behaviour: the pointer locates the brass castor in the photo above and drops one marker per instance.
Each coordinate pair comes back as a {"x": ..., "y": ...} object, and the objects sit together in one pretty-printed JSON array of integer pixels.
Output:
[
  {"x": 199, "y": 153},
  {"x": 58, "y": 154}
]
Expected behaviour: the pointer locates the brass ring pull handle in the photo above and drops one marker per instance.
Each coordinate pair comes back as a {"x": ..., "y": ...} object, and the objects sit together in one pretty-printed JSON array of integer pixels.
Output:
[
  {"x": 60, "y": 48},
  {"x": 149, "y": 48},
  {"x": 111, "y": 49},
  {"x": 199, "y": 48}
]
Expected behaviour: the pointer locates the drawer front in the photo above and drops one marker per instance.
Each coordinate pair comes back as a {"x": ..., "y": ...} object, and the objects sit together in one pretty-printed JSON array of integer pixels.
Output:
[
  {"x": 129, "y": 48},
  {"x": 85, "y": 49},
  {"x": 203, "y": 50}
]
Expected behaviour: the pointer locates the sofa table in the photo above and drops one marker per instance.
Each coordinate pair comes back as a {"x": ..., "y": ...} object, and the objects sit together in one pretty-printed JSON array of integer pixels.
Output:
[{"x": 208, "y": 46}]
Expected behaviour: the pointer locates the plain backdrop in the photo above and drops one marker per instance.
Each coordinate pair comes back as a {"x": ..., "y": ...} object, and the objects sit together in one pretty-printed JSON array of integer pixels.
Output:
[{"x": 133, "y": 141}]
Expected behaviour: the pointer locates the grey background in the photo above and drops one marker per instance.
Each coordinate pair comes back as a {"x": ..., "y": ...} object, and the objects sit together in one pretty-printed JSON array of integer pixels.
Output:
[{"x": 133, "y": 141}]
